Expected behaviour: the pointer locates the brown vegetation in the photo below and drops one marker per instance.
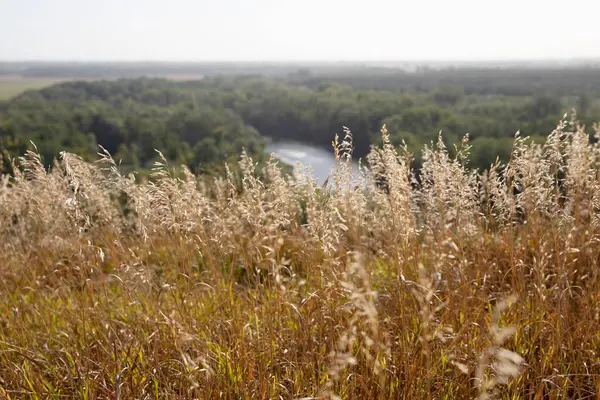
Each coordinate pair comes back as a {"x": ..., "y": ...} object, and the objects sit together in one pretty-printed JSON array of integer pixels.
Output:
[{"x": 453, "y": 285}]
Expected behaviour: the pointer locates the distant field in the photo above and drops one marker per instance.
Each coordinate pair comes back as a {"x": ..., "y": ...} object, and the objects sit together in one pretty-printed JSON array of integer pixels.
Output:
[{"x": 11, "y": 86}]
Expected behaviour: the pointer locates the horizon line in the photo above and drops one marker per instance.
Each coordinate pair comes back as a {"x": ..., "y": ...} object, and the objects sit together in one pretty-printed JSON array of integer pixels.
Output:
[{"x": 307, "y": 61}]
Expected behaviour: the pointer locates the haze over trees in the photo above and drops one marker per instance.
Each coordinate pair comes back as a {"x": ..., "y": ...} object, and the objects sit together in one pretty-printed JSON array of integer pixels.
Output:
[{"x": 203, "y": 122}]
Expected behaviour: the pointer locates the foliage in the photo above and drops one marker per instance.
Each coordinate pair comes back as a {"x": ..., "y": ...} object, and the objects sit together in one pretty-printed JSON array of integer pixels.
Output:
[
  {"x": 130, "y": 118},
  {"x": 204, "y": 122}
]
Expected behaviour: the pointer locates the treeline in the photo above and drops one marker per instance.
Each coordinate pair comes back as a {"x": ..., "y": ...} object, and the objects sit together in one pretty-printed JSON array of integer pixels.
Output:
[
  {"x": 130, "y": 118},
  {"x": 473, "y": 80},
  {"x": 202, "y": 123},
  {"x": 102, "y": 70},
  {"x": 516, "y": 79}
]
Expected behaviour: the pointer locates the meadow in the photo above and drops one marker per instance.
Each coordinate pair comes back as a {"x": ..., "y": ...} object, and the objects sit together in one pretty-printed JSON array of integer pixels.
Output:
[
  {"x": 447, "y": 285},
  {"x": 11, "y": 86}
]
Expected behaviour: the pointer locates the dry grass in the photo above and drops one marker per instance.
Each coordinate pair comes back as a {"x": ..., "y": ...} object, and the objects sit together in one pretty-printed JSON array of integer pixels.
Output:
[{"x": 457, "y": 285}]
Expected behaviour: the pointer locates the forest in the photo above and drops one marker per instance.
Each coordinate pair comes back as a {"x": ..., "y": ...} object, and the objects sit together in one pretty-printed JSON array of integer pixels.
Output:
[{"x": 202, "y": 123}]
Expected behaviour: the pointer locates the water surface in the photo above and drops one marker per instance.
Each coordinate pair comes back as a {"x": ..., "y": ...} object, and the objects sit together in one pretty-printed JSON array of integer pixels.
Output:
[{"x": 321, "y": 161}]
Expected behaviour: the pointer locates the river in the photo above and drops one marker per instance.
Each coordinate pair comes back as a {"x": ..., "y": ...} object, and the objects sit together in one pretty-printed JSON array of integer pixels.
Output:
[{"x": 321, "y": 161}]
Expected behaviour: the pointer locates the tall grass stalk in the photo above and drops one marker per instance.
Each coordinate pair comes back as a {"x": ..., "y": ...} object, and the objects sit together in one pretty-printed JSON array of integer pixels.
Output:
[{"x": 441, "y": 283}]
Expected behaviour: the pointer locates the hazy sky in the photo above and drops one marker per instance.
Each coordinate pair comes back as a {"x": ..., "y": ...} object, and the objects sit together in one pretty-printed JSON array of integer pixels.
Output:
[{"x": 196, "y": 30}]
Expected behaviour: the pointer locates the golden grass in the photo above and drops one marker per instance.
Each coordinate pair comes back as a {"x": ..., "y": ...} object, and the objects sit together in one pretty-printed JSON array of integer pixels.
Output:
[{"x": 457, "y": 285}]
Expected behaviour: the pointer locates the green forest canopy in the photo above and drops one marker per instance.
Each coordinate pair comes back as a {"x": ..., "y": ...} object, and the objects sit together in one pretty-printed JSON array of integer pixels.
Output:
[{"x": 205, "y": 122}]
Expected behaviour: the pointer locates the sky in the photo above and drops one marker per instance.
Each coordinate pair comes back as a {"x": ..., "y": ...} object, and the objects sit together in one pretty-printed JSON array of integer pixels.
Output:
[{"x": 300, "y": 30}]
